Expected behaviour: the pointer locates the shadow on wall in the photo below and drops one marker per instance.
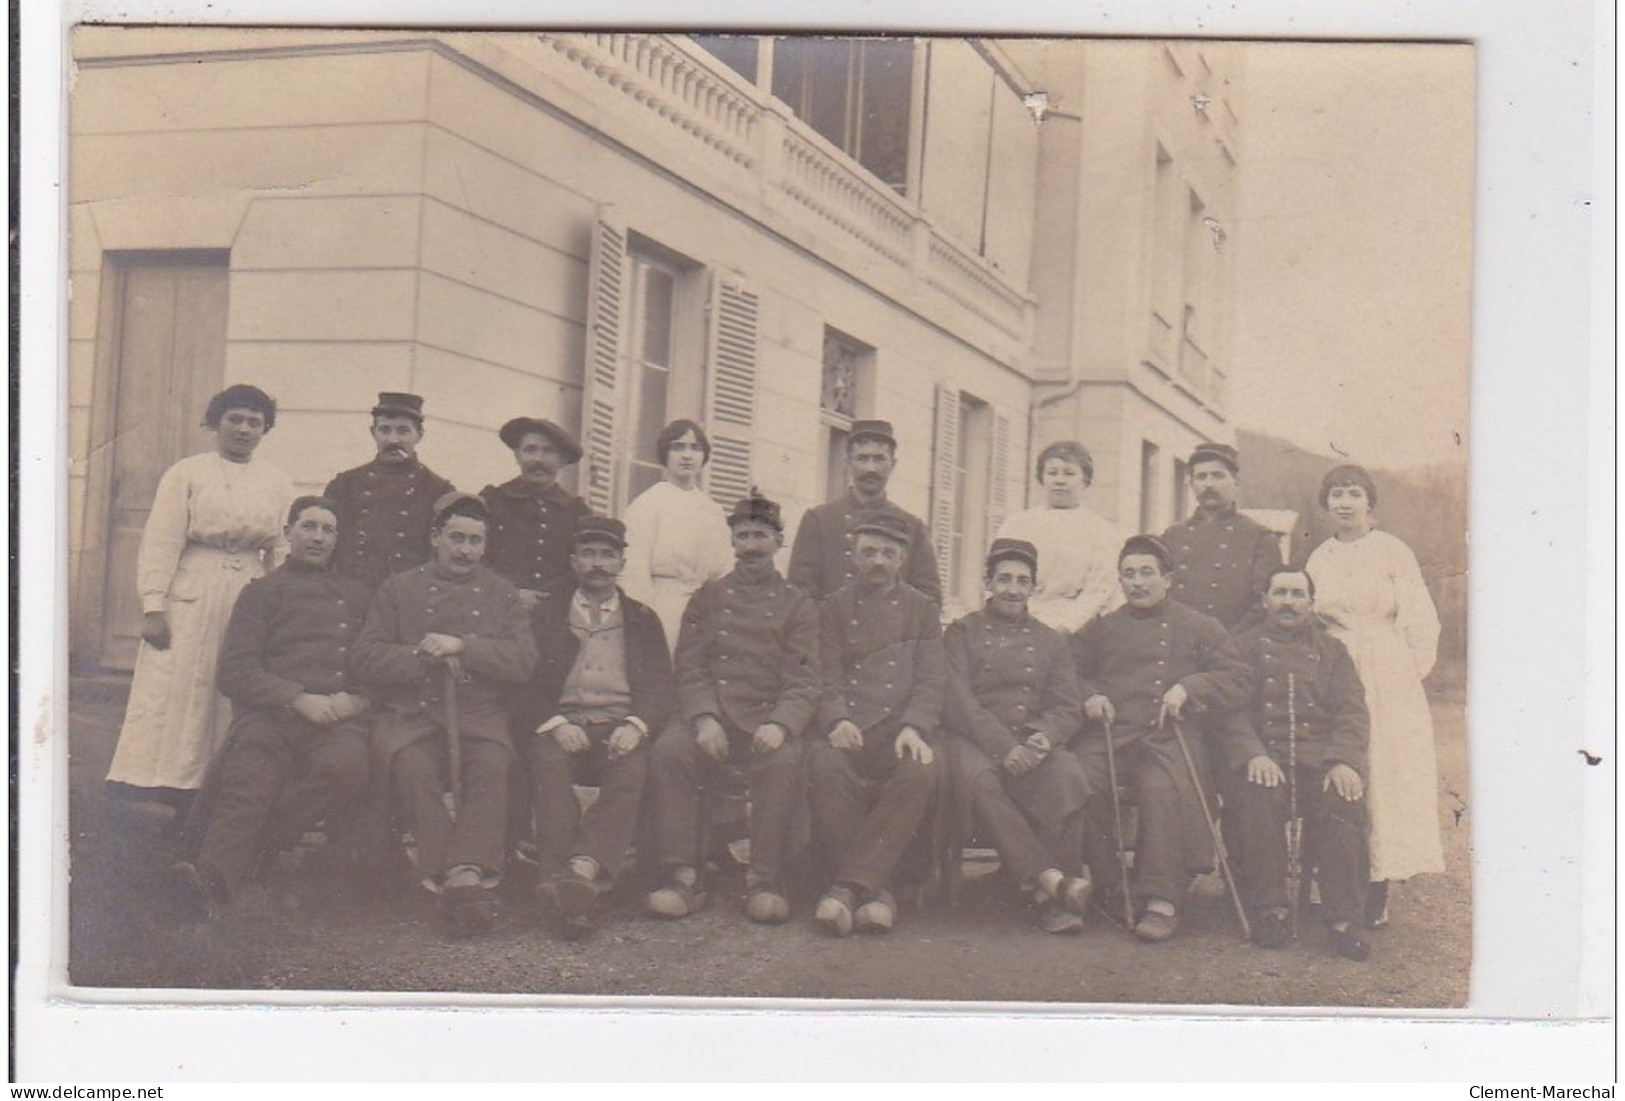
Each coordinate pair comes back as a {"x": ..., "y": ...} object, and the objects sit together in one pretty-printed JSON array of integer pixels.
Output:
[{"x": 1424, "y": 506}]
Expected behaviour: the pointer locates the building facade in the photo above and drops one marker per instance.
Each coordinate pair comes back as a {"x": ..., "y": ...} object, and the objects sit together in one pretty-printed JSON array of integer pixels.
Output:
[{"x": 990, "y": 243}]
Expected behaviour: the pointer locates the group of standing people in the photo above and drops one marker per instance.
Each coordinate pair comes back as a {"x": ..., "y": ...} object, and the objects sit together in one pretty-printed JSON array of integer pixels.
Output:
[{"x": 398, "y": 653}]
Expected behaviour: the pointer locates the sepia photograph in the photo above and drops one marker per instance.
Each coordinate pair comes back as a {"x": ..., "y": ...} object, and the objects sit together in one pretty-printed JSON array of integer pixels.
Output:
[{"x": 938, "y": 519}]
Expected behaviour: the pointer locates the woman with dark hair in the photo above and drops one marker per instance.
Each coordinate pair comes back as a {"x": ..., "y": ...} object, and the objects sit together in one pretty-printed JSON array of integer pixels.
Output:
[
  {"x": 1077, "y": 580},
  {"x": 215, "y": 525},
  {"x": 677, "y": 537},
  {"x": 1369, "y": 591}
]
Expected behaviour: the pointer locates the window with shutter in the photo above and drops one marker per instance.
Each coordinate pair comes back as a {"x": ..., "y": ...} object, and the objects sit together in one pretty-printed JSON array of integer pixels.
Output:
[
  {"x": 605, "y": 283},
  {"x": 998, "y": 502},
  {"x": 944, "y": 480},
  {"x": 730, "y": 406}
]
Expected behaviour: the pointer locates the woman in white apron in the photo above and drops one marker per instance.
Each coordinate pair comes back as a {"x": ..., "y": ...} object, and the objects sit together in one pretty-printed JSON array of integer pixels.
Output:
[
  {"x": 1077, "y": 549},
  {"x": 1369, "y": 591},
  {"x": 216, "y": 524},
  {"x": 677, "y": 537}
]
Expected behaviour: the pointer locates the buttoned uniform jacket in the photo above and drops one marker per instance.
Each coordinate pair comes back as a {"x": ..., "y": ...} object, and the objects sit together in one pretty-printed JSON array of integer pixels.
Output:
[
  {"x": 1222, "y": 566},
  {"x": 529, "y": 534},
  {"x": 1333, "y": 723},
  {"x": 291, "y": 632},
  {"x": 747, "y": 653},
  {"x": 821, "y": 559},
  {"x": 648, "y": 664},
  {"x": 880, "y": 659},
  {"x": 1007, "y": 680},
  {"x": 385, "y": 511},
  {"x": 1132, "y": 657},
  {"x": 499, "y": 650}
]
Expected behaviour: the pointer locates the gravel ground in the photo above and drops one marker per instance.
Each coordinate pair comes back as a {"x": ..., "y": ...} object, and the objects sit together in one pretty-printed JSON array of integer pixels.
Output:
[{"x": 303, "y": 931}]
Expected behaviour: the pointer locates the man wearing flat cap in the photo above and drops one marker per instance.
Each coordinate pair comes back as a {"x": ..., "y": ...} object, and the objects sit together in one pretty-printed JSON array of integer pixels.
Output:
[
  {"x": 385, "y": 505},
  {"x": 602, "y": 686},
  {"x": 1222, "y": 559},
  {"x": 1012, "y": 712},
  {"x": 532, "y": 517},
  {"x": 823, "y": 557},
  {"x": 1148, "y": 672},
  {"x": 872, "y": 772},
  {"x": 747, "y": 686},
  {"x": 442, "y": 644}
]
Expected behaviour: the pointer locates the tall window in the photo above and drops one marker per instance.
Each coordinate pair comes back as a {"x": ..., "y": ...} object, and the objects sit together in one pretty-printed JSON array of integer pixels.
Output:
[
  {"x": 1150, "y": 506},
  {"x": 844, "y": 397},
  {"x": 737, "y": 51},
  {"x": 1181, "y": 491},
  {"x": 973, "y": 467},
  {"x": 665, "y": 376},
  {"x": 856, "y": 93}
]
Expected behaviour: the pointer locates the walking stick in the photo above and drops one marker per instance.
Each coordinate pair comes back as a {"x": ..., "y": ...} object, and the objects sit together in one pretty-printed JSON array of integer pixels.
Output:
[
  {"x": 1117, "y": 829},
  {"x": 1294, "y": 824},
  {"x": 1213, "y": 829},
  {"x": 454, "y": 737}
]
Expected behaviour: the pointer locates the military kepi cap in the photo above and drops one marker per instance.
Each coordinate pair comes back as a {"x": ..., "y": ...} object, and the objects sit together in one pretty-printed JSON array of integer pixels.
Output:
[
  {"x": 458, "y": 503},
  {"x": 1015, "y": 550},
  {"x": 518, "y": 428},
  {"x": 889, "y": 524},
  {"x": 755, "y": 508},
  {"x": 391, "y": 404},
  {"x": 604, "y": 529},
  {"x": 873, "y": 430},
  {"x": 1216, "y": 453},
  {"x": 1147, "y": 544}
]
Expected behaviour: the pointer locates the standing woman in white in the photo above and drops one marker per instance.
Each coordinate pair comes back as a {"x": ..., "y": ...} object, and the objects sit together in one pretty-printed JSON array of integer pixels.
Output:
[
  {"x": 1077, "y": 578},
  {"x": 1369, "y": 590},
  {"x": 216, "y": 524},
  {"x": 677, "y": 537}
]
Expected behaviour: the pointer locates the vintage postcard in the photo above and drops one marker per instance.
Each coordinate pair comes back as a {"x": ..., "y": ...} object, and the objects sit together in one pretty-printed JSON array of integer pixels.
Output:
[{"x": 781, "y": 519}]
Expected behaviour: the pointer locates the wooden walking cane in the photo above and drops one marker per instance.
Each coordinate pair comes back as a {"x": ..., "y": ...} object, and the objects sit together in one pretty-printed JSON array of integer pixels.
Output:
[
  {"x": 454, "y": 737},
  {"x": 1117, "y": 828},
  {"x": 1294, "y": 824},
  {"x": 1213, "y": 829}
]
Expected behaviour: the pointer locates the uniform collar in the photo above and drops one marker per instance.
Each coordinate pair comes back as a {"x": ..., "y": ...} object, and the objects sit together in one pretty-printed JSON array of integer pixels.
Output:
[
  {"x": 771, "y": 577},
  {"x": 410, "y": 466},
  {"x": 579, "y": 601},
  {"x": 852, "y": 501},
  {"x": 1200, "y": 517},
  {"x": 522, "y": 490}
]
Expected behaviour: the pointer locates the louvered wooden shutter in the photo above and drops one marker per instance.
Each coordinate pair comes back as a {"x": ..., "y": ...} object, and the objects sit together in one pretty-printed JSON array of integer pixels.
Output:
[
  {"x": 945, "y": 462},
  {"x": 606, "y": 284},
  {"x": 998, "y": 498},
  {"x": 730, "y": 397}
]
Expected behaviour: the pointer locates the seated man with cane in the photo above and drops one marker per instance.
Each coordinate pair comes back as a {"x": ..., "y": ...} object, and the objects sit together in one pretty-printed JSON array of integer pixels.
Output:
[
  {"x": 297, "y": 753},
  {"x": 1295, "y": 756},
  {"x": 602, "y": 686},
  {"x": 1143, "y": 671},
  {"x": 747, "y": 684},
  {"x": 441, "y": 644},
  {"x": 1012, "y": 710}
]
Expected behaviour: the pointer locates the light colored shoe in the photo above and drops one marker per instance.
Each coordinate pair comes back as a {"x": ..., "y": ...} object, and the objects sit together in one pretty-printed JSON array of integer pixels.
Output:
[
  {"x": 1054, "y": 918},
  {"x": 1156, "y": 925},
  {"x": 766, "y": 906},
  {"x": 834, "y": 912},
  {"x": 878, "y": 913},
  {"x": 679, "y": 897}
]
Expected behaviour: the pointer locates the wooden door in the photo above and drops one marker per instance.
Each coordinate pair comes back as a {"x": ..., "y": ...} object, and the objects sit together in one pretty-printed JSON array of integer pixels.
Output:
[{"x": 167, "y": 359}]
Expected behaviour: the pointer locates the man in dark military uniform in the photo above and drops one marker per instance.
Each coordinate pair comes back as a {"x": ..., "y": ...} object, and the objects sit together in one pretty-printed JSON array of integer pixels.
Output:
[
  {"x": 1221, "y": 558},
  {"x": 1141, "y": 669},
  {"x": 532, "y": 518},
  {"x": 871, "y": 770},
  {"x": 1012, "y": 711},
  {"x": 441, "y": 643},
  {"x": 602, "y": 684},
  {"x": 1323, "y": 728},
  {"x": 747, "y": 685},
  {"x": 297, "y": 752},
  {"x": 822, "y": 558},
  {"x": 385, "y": 506}
]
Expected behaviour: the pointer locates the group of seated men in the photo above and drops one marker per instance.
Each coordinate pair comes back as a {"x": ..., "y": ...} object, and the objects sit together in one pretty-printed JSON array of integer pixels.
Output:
[{"x": 465, "y": 705}]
